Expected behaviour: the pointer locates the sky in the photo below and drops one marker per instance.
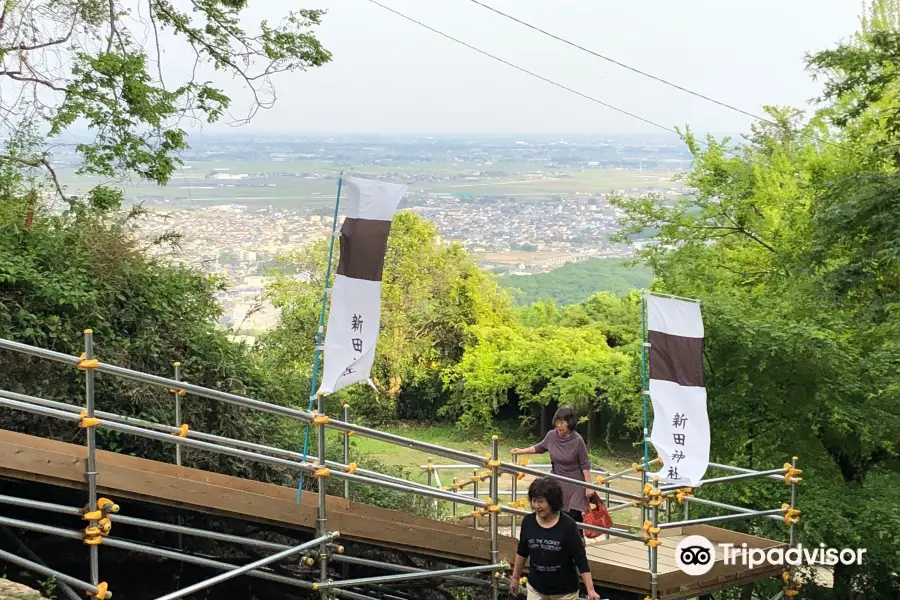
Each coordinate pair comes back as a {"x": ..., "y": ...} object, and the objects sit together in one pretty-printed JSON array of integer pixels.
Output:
[{"x": 391, "y": 76}]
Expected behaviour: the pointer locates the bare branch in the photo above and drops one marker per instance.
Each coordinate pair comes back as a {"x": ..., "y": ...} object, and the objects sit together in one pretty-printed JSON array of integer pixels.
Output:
[
  {"x": 26, "y": 47},
  {"x": 112, "y": 25},
  {"x": 17, "y": 75},
  {"x": 38, "y": 162},
  {"x": 158, "y": 51}
]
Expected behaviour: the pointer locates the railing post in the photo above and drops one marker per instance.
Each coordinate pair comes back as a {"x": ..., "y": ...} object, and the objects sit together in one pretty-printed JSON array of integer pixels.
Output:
[
  {"x": 321, "y": 522},
  {"x": 606, "y": 485},
  {"x": 178, "y": 417},
  {"x": 475, "y": 495},
  {"x": 494, "y": 512},
  {"x": 91, "y": 449},
  {"x": 455, "y": 490},
  {"x": 346, "y": 436},
  {"x": 514, "y": 487}
]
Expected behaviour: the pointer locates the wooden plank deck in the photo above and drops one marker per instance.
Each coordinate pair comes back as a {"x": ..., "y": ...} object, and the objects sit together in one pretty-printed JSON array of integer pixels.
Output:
[{"x": 615, "y": 563}]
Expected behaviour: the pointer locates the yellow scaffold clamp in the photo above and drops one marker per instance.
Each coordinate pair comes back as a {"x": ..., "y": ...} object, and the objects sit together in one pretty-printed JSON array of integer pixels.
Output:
[
  {"x": 179, "y": 392},
  {"x": 103, "y": 591},
  {"x": 87, "y": 421},
  {"x": 107, "y": 506},
  {"x": 493, "y": 508},
  {"x": 492, "y": 464},
  {"x": 105, "y": 526},
  {"x": 792, "y": 473},
  {"x": 791, "y": 515},
  {"x": 93, "y": 536},
  {"x": 183, "y": 430},
  {"x": 650, "y": 533},
  {"x": 351, "y": 468},
  {"x": 684, "y": 493},
  {"x": 320, "y": 420},
  {"x": 87, "y": 363},
  {"x": 429, "y": 467},
  {"x": 323, "y": 472},
  {"x": 653, "y": 494}
]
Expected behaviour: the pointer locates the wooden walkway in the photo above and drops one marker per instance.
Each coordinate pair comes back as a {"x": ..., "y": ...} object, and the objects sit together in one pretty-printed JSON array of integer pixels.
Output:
[{"x": 615, "y": 563}]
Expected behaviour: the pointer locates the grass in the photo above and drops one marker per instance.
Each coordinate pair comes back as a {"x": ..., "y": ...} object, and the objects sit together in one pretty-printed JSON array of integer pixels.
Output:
[{"x": 411, "y": 460}]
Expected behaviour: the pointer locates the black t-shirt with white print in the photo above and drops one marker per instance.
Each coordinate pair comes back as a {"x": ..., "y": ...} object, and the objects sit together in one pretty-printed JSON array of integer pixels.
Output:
[{"x": 554, "y": 555}]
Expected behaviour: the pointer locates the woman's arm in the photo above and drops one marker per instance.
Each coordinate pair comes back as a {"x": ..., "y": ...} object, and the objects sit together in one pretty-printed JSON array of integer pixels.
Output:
[
  {"x": 579, "y": 554},
  {"x": 517, "y": 574},
  {"x": 585, "y": 464},
  {"x": 538, "y": 448}
]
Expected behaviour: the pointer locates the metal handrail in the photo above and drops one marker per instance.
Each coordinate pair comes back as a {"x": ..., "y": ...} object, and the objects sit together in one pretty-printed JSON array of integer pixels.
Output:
[{"x": 293, "y": 460}]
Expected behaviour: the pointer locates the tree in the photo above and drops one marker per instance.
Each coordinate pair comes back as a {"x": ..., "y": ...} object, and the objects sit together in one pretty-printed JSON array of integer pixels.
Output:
[
  {"x": 789, "y": 238},
  {"x": 99, "y": 64},
  {"x": 547, "y": 358},
  {"x": 432, "y": 296}
]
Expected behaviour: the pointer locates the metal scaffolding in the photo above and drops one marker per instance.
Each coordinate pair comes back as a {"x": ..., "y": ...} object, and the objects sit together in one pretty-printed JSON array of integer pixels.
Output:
[{"x": 101, "y": 512}]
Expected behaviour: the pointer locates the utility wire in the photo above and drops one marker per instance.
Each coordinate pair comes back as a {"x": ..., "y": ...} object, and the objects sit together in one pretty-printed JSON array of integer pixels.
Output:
[
  {"x": 526, "y": 71},
  {"x": 623, "y": 65},
  {"x": 766, "y": 120}
]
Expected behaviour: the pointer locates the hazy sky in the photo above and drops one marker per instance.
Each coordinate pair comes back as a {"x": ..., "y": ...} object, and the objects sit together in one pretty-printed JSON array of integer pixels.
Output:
[{"x": 391, "y": 76}]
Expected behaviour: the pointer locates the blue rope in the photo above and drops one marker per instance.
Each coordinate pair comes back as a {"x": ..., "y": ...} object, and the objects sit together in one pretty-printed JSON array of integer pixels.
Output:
[{"x": 320, "y": 333}]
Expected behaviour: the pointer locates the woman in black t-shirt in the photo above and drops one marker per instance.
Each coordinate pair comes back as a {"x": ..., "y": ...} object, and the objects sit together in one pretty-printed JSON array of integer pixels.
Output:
[{"x": 549, "y": 539}]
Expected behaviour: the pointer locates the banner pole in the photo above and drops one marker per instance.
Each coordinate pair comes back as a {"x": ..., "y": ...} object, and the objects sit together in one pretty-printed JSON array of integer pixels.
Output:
[
  {"x": 644, "y": 393},
  {"x": 321, "y": 331}
]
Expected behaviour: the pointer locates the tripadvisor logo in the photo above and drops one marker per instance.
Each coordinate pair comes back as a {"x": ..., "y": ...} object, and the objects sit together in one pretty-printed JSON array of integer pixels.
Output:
[{"x": 696, "y": 555}]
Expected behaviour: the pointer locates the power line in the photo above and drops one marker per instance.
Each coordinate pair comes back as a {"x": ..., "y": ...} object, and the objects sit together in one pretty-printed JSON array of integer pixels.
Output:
[
  {"x": 526, "y": 71},
  {"x": 623, "y": 65},
  {"x": 768, "y": 121}
]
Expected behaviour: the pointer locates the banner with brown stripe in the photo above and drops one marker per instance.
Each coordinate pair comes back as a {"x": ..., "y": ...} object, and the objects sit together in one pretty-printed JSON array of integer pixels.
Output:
[
  {"x": 680, "y": 431},
  {"x": 354, "y": 318}
]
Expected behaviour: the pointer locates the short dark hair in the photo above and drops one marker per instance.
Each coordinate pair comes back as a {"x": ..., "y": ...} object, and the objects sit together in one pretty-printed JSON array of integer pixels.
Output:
[
  {"x": 549, "y": 490},
  {"x": 567, "y": 414}
]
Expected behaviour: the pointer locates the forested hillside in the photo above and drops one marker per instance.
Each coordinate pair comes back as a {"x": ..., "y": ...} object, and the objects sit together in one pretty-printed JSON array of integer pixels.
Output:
[{"x": 575, "y": 282}]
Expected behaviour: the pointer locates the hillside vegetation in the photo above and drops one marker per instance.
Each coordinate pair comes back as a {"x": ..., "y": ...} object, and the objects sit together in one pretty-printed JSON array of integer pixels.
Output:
[
  {"x": 575, "y": 282},
  {"x": 791, "y": 240}
]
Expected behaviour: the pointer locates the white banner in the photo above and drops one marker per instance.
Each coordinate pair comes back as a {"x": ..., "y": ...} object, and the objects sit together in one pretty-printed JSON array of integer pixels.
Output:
[
  {"x": 681, "y": 433},
  {"x": 354, "y": 318}
]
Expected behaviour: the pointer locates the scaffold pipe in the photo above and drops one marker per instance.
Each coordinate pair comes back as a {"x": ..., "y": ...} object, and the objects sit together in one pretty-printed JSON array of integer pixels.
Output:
[
  {"x": 722, "y": 518},
  {"x": 696, "y": 500},
  {"x": 737, "y": 477},
  {"x": 202, "y": 585},
  {"x": 301, "y": 415},
  {"x": 84, "y": 586},
  {"x": 403, "y": 577},
  {"x": 206, "y": 437}
]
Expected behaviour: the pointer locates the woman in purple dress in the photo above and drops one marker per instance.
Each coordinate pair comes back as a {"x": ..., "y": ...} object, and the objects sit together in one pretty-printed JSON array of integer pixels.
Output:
[{"x": 569, "y": 457}]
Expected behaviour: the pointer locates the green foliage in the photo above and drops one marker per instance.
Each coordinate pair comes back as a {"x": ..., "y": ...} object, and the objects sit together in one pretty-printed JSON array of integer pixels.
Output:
[
  {"x": 432, "y": 295},
  {"x": 790, "y": 240},
  {"x": 549, "y": 357},
  {"x": 110, "y": 79},
  {"x": 71, "y": 272},
  {"x": 575, "y": 282}
]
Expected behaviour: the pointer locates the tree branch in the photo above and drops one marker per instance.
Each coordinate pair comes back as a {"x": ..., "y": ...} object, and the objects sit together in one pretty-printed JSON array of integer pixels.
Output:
[
  {"x": 17, "y": 75},
  {"x": 35, "y": 163},
  {"x": 25, "y": 47},
  {"x": 112, "y": 25}
]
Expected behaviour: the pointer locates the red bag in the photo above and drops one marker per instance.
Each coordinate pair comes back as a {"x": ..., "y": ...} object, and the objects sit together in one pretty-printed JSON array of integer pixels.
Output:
[{"x": 597, "y": 515}]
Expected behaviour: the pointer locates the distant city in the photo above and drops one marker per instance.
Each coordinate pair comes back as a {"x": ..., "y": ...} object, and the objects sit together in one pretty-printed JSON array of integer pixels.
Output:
[{"x": 519, "y": 205}]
